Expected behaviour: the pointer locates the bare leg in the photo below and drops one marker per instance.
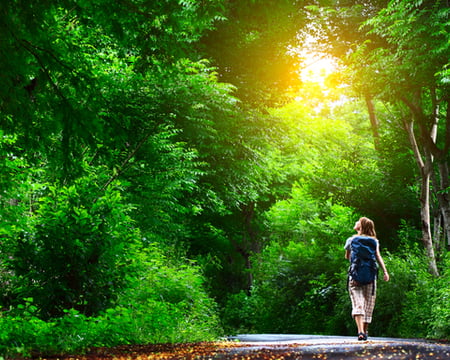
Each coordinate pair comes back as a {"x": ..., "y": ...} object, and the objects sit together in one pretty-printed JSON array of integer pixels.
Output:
[{"x": 359, "y": 323}]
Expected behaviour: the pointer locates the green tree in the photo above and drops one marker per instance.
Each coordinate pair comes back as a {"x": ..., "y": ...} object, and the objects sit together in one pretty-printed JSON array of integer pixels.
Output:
[
  {"x": 58, "y": 60},
  {"x": 91, "y": 97},
  {"x": 417, "y": 46},
  {"x": 251, "y": 49},
  {"x": 399, "y": 57},
  {"x": 116, "y": 92}
]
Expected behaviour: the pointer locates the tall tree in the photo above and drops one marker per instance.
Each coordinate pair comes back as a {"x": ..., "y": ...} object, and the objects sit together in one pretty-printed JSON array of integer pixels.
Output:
[
  {"x": 56, "y": 59},
  {"x": 251, "y": 52},
  {"x": 401, "y": 58},
  {"x": 121, "y": 87},
  {"x": 118, "y": 89},
  {"x": 417, "y": 34}
]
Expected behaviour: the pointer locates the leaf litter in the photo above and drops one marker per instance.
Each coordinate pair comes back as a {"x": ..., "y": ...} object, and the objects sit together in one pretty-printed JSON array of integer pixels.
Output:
[{"x": 230, "y": 350}]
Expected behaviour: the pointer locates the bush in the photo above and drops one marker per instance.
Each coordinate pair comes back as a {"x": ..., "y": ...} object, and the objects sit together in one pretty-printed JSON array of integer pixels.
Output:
[
  {"x": 300, "y": 277},
  {"x": 391, "y": 304},
  {"x": 77, "y": 249},
  {"x": 238, "y": 314},
  {"x": 427, "y": 306},
  {"x": 81, "y": 275},
  {"x": 440, "y": 307},
  {"x": 300, "y": 280},
  {"x": 295, "y": 290},
  {"x": 165, "y": 303},
  {"x": 170, "y": 302}
]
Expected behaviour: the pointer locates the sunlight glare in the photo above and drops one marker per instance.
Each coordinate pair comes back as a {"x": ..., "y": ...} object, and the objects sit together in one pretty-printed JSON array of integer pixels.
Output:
[
  {"x": 316, "y": 68},
  {"x": 320, "y": 77}
]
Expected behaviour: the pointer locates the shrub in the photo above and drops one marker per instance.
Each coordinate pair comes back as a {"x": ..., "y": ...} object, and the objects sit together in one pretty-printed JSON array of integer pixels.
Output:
[
  {"x": 300, "y": 277},
  {"x": 170, "y": 301},
  {"x": 89, "y": 279},
  {"x": 76, "y": 252},
  {"x": 440, "y": 308},
  {"x": 395, "y": 297},
  {"x": 296, "y": 288},
  {"x": 427, "y": 309},
  {"x": 165, "y": 303},
  {"x": 414, "y": 304}
]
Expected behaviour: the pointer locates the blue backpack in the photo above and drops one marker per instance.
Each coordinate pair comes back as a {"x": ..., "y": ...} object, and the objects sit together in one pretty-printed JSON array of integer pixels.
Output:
[{"x": 363, "y": 264}]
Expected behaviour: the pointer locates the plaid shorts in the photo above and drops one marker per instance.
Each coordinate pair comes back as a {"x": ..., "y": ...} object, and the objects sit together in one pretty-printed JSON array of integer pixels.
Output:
[{"x": 363, "y": 300}]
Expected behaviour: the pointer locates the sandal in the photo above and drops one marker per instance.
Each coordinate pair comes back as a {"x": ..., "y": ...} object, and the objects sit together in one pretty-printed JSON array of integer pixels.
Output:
[{"x": 362, "y": 337}]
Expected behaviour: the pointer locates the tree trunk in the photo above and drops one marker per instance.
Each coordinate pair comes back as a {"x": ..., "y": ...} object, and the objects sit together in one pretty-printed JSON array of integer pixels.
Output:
[
  {"x": 425, "y": 168},
  {"x": 444, "y": 198},
  {"x": 426, "y": 218},
  {"x": 250, "y": 243},
  {"x": 373, "y": 121},
  {"x": 443, "y": 195}
]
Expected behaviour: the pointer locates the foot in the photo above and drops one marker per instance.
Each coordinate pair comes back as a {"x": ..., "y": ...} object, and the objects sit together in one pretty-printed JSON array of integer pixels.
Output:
[{"x": 362, "y": 337}]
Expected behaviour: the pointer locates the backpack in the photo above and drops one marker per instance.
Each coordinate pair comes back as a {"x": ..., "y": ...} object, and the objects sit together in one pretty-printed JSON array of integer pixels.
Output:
[{"x": 363, "y": 264}]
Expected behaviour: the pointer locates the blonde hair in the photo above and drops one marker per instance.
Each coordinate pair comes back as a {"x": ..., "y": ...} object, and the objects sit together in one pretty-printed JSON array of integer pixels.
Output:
[{"x": 367, "y": 227}]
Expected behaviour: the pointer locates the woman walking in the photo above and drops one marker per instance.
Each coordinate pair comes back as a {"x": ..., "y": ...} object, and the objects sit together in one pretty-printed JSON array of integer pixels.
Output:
[{"x": 363, "y": 292}]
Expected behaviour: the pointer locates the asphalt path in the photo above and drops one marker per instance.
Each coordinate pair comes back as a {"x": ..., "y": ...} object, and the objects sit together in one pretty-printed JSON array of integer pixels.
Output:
[
  {"x": 303, "y": 347},
  {"x": 276, "y": 347}
]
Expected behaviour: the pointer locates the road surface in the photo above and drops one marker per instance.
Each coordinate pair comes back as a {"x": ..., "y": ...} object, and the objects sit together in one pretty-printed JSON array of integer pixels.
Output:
[
  {"x": 276, "y": 347},
  {"x": 302, "y": 347}
]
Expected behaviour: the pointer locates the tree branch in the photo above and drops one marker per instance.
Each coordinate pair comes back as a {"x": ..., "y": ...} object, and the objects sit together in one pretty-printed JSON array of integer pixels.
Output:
[
  {"x": 373, "y": 120},
  {"x": 447, "y": 129},
  {"x": 126, "y": 161},
  {"x": 409, "y": 127},
  {"x": 426, "y": 134}
]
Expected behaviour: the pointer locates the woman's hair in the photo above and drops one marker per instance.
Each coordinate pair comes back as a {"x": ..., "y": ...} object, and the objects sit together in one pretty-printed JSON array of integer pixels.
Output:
[{"x": 367, "y": 227}]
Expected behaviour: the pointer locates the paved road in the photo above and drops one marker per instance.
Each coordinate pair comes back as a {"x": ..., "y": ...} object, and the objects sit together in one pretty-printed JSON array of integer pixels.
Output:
[
  {"x": 293, "y": 338},
  {"x": 303, "y": 347},
  {"x": 277, "y": 347}
]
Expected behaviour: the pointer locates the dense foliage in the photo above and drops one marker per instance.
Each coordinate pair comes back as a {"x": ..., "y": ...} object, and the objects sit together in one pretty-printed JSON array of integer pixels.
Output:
[{"x": 168, "y": 175}]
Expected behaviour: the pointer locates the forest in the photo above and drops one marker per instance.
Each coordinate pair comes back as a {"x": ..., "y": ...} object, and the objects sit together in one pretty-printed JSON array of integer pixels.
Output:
[{"x": 182, "y": 170}]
